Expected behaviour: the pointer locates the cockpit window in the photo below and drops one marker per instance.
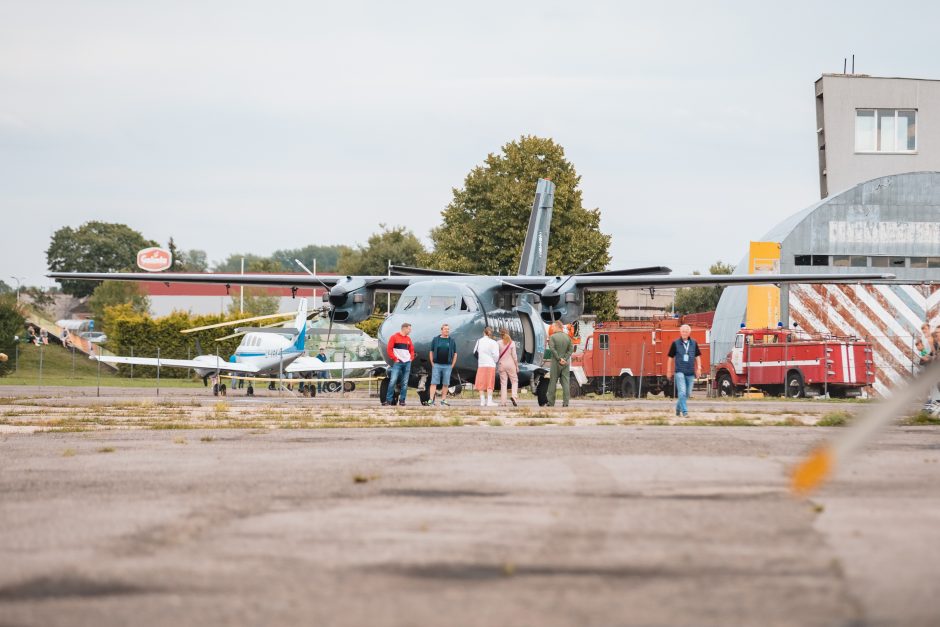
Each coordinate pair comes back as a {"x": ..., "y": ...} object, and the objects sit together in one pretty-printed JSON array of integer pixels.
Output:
[
  {"x": 468, "y": 304},
  {"x": 442, "y": 302},
  {"x": 411, "y": 303}
]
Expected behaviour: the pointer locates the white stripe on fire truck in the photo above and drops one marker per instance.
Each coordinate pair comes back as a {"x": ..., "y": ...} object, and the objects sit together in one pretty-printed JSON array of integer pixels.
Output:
[
  {"x": 791, "y": 362},
  {"x": 852, "y": 350},
  {"x": 845, "y": 362}
]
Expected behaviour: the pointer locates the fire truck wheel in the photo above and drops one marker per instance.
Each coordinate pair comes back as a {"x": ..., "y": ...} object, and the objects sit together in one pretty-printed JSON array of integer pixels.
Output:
[
  {"x": 627, "y": 386},
  {"x": 795, "y": 385},
  {"x": 574, "y": 388},
  {"x": 725, "y": 385}
]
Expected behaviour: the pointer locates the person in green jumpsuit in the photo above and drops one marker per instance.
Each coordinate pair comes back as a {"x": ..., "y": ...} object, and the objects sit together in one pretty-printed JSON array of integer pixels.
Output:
[{"x": 560, "y": 346}]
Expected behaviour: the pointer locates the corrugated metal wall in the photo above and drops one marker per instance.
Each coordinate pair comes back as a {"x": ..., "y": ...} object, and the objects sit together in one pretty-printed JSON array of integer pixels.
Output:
[{"x": 889, "y": 316}]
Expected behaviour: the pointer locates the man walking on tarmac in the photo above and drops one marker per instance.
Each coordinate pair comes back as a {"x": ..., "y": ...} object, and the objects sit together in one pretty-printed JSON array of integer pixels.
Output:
[
  {"x": 685, "y": 361},
  {"x": 560, "y": 347}
]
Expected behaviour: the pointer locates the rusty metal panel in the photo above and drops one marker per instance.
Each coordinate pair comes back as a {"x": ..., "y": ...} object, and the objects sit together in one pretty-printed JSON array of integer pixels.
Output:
[{"x": 888, "y": 316}]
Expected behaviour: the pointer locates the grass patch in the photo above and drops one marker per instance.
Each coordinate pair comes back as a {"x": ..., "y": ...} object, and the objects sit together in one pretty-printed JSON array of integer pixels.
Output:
[
  {"x": 834, "y": 419},
  {"x": 106, "y": 449},
  {"x": 494, "y": 422},
  {"x": 568, "y": 423},
  {"x": 360, "y": 478},
  {"x": 456, "y": 421},
  {"x": 922, "y": 418},
  {"x": 69, "y": 452},
  {"x": 721, "y": 422},
  {"x": 207, "y": 438},
  {"x": 179, "y": 441},
  {"x": 534, "y": 423}
]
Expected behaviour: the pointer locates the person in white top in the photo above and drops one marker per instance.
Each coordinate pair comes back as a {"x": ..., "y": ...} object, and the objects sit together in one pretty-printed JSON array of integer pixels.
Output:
[{"x": 487, "y": 352}]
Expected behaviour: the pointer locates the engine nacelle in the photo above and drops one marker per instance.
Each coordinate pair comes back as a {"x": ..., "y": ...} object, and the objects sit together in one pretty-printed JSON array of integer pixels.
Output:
[
  {"x": 563, "y": 300},
  {"x": 352, "y": 300}
]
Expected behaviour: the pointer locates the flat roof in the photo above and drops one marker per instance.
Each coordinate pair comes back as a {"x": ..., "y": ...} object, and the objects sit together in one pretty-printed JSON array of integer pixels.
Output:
[{"x": 898, "y": 78}]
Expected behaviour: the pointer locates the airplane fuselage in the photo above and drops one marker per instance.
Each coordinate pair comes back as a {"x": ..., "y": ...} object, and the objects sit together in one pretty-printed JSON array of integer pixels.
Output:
[{"x": 467, "y": 306}]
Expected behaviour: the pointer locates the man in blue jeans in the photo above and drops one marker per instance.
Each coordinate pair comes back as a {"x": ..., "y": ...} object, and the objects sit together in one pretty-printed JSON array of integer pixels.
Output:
[
  {"x": 401, "y": 352},
  {"x": 685, "y": 360}
]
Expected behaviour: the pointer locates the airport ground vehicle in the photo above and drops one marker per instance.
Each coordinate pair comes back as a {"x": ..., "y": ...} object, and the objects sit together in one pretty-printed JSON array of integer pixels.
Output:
[
  {"x": 795, "y": 363},
  {"x": 629, "y": 357}
]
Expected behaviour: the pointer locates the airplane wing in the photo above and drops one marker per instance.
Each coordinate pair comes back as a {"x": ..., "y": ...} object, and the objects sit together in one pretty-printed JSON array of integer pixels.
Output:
[
  {"x": 382, "y": 282},
  {"x": 607, "y": 282},
  {"x": 206, "y": 362},
  {"x": 312, "y": 364}
]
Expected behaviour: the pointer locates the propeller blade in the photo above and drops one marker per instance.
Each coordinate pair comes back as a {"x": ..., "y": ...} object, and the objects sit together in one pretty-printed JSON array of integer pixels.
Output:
[
  {"x": 234, "y": 322},
  {"x": 820, "y": 464}
]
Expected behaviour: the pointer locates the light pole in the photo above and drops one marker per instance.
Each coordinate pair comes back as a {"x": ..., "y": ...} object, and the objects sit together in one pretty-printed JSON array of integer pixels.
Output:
[{"x": 18, "y": 280}]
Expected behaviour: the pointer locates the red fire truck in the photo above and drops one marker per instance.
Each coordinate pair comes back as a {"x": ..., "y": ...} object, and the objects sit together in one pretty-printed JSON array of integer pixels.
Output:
[
  {"x": 795, "y": 363},
  {"x": 629, "y": 357}
]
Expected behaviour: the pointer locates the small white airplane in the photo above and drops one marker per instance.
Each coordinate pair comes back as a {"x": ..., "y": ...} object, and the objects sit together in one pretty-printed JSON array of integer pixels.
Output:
[{"x": 263, "y": 351}]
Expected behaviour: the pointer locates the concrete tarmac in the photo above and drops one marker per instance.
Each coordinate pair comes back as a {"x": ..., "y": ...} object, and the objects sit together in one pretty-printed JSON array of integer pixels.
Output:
[{"x": 548, "y": 525}]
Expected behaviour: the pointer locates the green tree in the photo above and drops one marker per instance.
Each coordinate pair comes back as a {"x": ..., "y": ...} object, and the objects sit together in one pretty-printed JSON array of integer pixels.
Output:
[
  {"x": 397, "y": 244},
  {"x": 111, "y": 293},
  {"x": 93, "y": 247},
  {"x": 4, "y": 288},
  {"x": 327, "y": 257},
  {"x": 11, "y": 325},
  {"x": 699, "y": 299},
  {"x": 194, "y": 260},
  {"x": 484, "y": 226},
  {"x": 257, "y": 302}
]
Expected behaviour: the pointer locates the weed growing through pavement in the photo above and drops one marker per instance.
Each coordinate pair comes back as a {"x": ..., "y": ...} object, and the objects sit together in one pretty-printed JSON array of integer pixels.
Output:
[
  {"x": 69, "y": 452},
  {"x": 207, "y": 438},
  {"x": 106, "y": 449},
  {"x": 922, "y": 418},
  {"x": 494, "y": 422},
  {"x": 179, "y": 441},
  {"x": 834, "y": 419}
]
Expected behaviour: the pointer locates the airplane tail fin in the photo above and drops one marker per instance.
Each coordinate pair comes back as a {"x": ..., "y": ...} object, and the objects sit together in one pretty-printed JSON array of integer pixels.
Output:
[
  {"x": 300, "y": 323},
  {"x": 535, "y": 248}
]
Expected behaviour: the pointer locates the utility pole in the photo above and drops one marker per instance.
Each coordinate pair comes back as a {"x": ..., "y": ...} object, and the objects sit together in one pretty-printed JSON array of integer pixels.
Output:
[
  {"x": 18, "y": 280},
  {"x": 241, "y": 292}
]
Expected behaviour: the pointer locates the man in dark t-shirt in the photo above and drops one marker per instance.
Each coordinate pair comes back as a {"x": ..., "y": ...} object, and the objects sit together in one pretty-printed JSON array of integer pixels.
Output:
[
  {"x": 685, "y": 361},
  {"x": 443, "y": 356}
]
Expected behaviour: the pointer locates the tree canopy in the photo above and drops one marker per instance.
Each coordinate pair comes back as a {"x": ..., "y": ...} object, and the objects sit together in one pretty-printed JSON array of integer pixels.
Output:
[
  {"x": 397, "y": 244},
  {"x": 93, "y": 247},
  {"x": 699, "y": 299},
  {"x": 110, "y": 293},
  {"x": 484, "y": 226},
  {"x": 11, "y": 325},
  {"x": 283, "y": 260}
]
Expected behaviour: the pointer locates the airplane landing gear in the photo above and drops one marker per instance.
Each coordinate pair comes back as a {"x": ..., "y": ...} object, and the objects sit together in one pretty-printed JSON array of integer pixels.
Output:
[{"x": 251, "y": 390}]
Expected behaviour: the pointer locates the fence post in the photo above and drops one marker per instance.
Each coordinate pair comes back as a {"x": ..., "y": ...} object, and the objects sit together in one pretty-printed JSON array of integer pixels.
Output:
[
  {"x": 16, "y": 362},
  {"x": 280, "y": 371},
  {"x": 342, "y": 374},
  {"x": 132, "y": 363},
  {"x": 98, "y": 393},
  {"x": 158, "y": 371},
  {"x": 40, "y": 366}
]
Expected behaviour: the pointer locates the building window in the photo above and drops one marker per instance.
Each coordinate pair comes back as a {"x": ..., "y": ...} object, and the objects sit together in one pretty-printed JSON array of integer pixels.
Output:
[
  {"x": 933, "y": 262},
  {"x": 802, "y": 260},
  {"x": 820, "y": 260},
  {"x": 885, "y": 130},
  {"x": 918, "y": 262},
  {"x": 889, "y": 262},
  {"x": 850, "y": 261}
]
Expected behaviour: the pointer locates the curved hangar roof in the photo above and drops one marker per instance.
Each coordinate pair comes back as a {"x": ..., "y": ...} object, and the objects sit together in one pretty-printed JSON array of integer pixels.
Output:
[{"x": 890, "y": 223}]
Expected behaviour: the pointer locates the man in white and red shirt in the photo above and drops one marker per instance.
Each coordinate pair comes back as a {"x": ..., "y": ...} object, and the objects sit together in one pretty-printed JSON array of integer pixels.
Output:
[{"x": 401, "y": 351}]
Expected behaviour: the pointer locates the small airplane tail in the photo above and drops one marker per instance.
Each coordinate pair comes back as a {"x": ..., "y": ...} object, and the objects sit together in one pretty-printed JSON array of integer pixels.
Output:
[
  {"x": 535, "y": 248},
  {"x": 300, "y": 323}
]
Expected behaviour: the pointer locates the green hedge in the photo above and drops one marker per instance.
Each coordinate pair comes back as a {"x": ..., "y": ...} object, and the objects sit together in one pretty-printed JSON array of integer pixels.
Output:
[{"x": 130, "y": 331}]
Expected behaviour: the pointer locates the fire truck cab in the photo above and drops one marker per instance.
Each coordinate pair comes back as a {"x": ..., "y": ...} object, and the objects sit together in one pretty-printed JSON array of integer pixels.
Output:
[{"x": 796, "y": 364}]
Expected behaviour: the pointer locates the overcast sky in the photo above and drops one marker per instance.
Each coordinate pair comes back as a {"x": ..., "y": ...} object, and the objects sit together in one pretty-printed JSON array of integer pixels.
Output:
[{"x": 252, "y": 126}]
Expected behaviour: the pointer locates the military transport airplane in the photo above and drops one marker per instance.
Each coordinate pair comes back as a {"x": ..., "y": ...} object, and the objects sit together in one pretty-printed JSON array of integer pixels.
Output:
[
  {"x": 520, "y": 303},
  {"x": 263, "y": 351}
]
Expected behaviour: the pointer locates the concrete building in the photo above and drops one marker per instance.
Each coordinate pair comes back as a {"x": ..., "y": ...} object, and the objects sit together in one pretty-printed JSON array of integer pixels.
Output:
[
  {"x": 634, "y": 304},
  {"x": 869, "y": 126},
  {"x": 889, "y": 224}
]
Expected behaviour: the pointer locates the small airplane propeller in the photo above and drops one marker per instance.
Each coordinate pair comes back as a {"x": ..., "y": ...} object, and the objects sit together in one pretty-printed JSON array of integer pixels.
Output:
[{"x": 820, "y": 464}]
